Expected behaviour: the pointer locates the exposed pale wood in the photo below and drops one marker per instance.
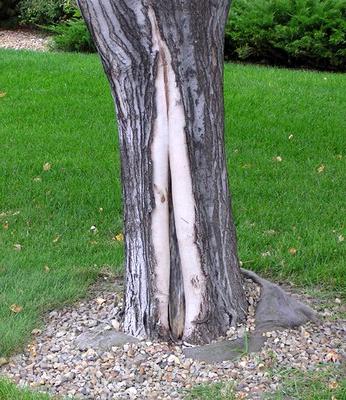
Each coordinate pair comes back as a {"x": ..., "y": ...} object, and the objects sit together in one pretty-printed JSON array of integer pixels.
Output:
[{"x": 178, "y": 68}]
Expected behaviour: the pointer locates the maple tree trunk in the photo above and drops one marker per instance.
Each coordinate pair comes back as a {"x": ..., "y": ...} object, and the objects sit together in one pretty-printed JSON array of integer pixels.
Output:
[{"x": 164, "y": 62}]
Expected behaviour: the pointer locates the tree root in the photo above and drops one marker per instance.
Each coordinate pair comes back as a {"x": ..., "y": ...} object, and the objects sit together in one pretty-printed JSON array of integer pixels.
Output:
[{"x": 276, "y": 310}]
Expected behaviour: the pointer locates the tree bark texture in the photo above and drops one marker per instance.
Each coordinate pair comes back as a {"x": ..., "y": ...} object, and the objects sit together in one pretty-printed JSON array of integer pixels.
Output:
[{"x": 164, "y": 62}]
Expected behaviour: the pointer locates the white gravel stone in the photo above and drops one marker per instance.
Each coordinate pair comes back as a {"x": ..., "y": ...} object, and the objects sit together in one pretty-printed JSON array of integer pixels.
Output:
[
  {"x": 21, "y": 39},
  {"x": 151, "y": 370}
]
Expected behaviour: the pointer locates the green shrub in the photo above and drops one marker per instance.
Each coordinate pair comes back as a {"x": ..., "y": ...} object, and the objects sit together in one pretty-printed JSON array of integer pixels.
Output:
[
  {"x": 72, "y": 35},
  {"x": 44, "y": 12},
  {"x": 288, "y": 32},
  {"x": 310, "y": 33}
]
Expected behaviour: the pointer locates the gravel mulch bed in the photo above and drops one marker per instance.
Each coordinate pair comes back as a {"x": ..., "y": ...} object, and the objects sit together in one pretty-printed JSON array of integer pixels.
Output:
[
  {"x": 146, "y": 370},
  {"x": 24, "y": 39}
]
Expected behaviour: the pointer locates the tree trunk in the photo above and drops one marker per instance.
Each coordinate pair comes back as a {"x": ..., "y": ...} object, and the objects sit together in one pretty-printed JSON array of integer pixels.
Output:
[{"x": 164, "y": 62}]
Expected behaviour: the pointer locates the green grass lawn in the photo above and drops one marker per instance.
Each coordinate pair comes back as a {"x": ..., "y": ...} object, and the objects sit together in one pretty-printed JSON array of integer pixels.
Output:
[
  {"x": 327, "y": 383},
  {"x": 8, "y": 391},
  {"x": 58, "y": 110}
]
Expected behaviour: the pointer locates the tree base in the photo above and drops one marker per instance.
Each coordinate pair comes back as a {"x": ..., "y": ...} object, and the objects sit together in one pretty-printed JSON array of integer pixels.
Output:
[{"x": 276, "y": 310}]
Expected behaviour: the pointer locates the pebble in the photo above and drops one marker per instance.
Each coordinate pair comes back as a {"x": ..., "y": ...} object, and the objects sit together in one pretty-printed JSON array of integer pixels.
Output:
[
  {"x": 152, "y": 370},
  {"x": 24, "y": 39}
]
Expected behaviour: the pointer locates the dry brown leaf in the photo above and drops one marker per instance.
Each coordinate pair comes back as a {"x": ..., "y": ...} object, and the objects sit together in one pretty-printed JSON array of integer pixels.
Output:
[
  {"x": 241, "y": 395},
  {"x": 292, "y": 251},
  {"x": 47, "y": 166},
  {"x": 119, "y": 237},
  {"x": 15, "y": 308},
  {"x": 321, "y": 168},
  {"x": 3, "y": 94},
  {"x": 5, "y": 225},
  {"x": 3, "y": 361},
  {"x": 333, "y": 356},
  {"x": 333, "y": 385},
  {"x": 32, "y": 349}
]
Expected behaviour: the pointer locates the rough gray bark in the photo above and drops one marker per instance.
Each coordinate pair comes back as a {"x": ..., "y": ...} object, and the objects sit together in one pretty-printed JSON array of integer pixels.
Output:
[{"x": 138, "y": 41}]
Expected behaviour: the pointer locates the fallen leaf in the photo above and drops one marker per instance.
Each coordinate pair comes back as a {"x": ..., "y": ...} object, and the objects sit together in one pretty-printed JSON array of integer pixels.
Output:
[
  {"x": 47, "y": 166},
  {"x": 100, "y": 209},
  {"x": 119, "y": 237},
  {"x": 36, "y": 331},
  {"x": 341, "y": 238},
  {"x": 56, "y": 239},
  {"x": 321, "y": 168},
  {"x": 339, "y": 156},
  {"x": 37, "y": 179},
  {"x": 100, "y": 301},
  {"x": 2, "y": 94},
  {"x": 333, "y": 356},
  {"x": 292, "y": 251},
  {"x": 5, "y": 225},
  {"x": 17, "y": 247},
  {"x": 241, "y": 395},
  {"x": 32, "y": 349},
  {"x": 337, "y": 300},
  {"x": 16, "y": 308},
  {"x": 46, "y": 268},
  {"x": 3, "y": 361},
  {"x": 333, "y": 385},
  {"x": 266, "y": 254},
  {"x": 277, "y": 158},
  {"x": 290, "y": 137}
]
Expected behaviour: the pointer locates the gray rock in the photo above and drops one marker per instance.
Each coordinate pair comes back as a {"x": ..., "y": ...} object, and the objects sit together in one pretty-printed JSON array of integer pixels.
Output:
[
  {"x": 276, "y": 310},
  {"x": 102, "y": 340}
]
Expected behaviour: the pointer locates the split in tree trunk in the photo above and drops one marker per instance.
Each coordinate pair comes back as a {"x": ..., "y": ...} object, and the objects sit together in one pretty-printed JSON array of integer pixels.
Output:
[{"x": 164, "y": 62}]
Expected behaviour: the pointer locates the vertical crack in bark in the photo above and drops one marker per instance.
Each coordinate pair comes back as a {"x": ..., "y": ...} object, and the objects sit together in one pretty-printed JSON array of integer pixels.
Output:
[
  {"x": 160, "y": 214},
  {"x": 169, "y": 146},
  {"x": 168, "y": 94}
]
